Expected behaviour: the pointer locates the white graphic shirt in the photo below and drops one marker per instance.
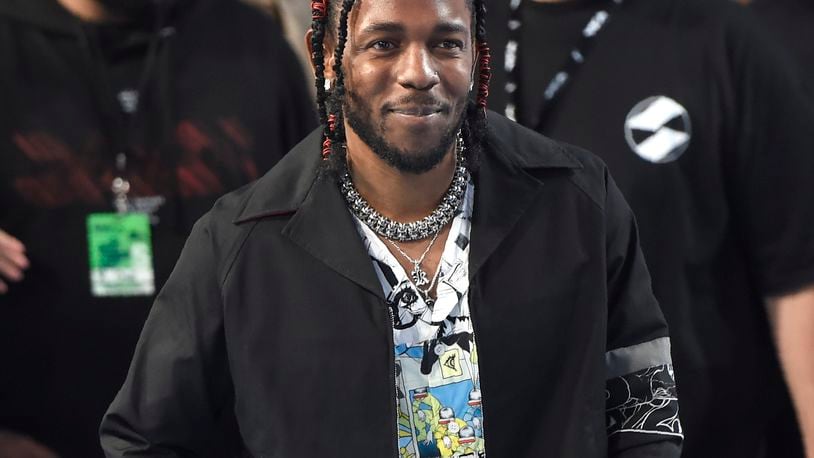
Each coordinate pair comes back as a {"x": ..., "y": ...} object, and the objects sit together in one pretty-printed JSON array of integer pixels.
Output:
[{"x": 437, "y": 385}]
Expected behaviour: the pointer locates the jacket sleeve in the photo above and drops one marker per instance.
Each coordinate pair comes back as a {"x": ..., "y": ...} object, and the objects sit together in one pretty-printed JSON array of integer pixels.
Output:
[
  {"x": 178, "y": 384},
  {"x": 641, "y": 401}
]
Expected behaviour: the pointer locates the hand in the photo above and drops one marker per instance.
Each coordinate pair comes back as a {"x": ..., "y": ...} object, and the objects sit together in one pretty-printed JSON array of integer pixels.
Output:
[
  {"x": 12, "y": 444},
  {"x": 12, "y": 260}
]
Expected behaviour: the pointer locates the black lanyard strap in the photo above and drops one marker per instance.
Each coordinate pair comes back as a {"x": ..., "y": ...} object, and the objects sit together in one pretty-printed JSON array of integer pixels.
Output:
[
  {"x": 576, "y": 57},
  {"x": 120, "y": 124}
]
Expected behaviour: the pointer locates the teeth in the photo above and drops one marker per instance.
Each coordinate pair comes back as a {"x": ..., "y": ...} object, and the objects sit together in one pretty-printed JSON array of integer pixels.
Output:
[{"x": 418, "y": 112}]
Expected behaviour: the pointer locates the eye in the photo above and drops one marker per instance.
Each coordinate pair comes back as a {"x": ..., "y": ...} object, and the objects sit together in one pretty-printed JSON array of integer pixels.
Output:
[
  {"x": 451, "y": 44},
  {"x": 382, "y": 45}
]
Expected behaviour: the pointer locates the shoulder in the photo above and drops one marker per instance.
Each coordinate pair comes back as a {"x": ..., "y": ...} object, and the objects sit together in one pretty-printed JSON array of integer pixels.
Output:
[
  {"x": 241, "y": 12},
  {"x": 721, "y": 21},
  {"x": 215, "y": 237},
  {"x": 233, "y": 23},
  {"x": 690, "y": 13},
  {"x": 276, "y": 195},
  {"x": 548, "y": 159}
]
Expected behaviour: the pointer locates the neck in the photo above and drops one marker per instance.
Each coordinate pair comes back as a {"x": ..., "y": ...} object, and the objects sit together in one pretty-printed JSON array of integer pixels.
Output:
[
  {"x": 89, "y": 11},
  {"x": 401, "y": 196}
]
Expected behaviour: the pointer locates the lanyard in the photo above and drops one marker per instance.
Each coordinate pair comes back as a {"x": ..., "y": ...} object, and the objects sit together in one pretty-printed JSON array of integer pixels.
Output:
[
  {"x": 555, "y": 88},
  {"x": 120, "y": 123}
]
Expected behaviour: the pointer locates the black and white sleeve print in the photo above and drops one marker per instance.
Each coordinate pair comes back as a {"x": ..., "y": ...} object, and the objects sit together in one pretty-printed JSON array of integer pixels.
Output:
[{"x": 641, "y": 401}]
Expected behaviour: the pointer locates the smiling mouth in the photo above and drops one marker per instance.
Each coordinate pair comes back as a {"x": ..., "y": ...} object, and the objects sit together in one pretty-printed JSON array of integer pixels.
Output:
[{"x": 417, "y": 111}]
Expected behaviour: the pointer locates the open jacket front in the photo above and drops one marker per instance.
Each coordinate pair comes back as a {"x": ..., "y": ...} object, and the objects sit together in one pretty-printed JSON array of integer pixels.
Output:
[{"x": 274, "y": 322}]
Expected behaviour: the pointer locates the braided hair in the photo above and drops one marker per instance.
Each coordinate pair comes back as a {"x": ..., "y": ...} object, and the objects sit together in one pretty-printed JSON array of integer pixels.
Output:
[{"x": 330, "y": 19}]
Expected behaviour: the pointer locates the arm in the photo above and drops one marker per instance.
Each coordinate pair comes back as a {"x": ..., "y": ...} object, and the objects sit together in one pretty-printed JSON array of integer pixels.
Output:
[
  {"x": 792, "y": 320},
  {"x": 178, "y": 384},
  {"x": 12, "y": 260},
  {"x": 642, "y": 403},
  {"x": 772, "y": 201}
]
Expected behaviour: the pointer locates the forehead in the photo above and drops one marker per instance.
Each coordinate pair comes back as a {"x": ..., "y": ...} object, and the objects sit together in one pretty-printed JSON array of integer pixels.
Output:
[{"x": 410, "y": 14}]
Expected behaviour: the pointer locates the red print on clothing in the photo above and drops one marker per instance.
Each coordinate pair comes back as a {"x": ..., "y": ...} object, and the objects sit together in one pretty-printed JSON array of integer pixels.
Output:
[
  {"x": 210, "y": 159},
  {"x": 59, "y": 177}
]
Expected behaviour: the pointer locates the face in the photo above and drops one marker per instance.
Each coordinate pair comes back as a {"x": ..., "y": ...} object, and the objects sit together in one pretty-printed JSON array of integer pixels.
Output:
[{"x": 408, "y": 73}]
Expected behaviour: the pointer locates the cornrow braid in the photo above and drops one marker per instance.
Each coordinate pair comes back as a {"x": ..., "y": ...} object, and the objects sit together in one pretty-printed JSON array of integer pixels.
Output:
[
  {"x": 484, "y": 55},
  {"x": 327, "y": 21},
  {"x": 338, "y": 134},
  {"x": 475, "y": 125},
  {"x": 320, "y": 13}
]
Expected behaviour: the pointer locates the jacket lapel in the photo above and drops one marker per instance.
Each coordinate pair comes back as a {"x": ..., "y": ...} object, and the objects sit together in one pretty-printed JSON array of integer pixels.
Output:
[
  {"x": 502, "y": 194},
  {"x": 325, "y": 228},
  {"x": 320, "y": 222},
  {"x": 504, "y": 189}
]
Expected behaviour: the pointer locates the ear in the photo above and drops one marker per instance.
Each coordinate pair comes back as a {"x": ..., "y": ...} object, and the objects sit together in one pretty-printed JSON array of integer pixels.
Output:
[{"x": 328, "y": 54}]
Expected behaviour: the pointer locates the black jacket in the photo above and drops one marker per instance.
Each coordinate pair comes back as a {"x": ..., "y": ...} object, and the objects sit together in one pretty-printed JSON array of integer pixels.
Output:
[{"x": 275, "y": 319}]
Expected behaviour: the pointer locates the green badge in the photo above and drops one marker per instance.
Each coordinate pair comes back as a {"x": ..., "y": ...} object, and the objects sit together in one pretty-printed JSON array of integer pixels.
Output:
[{"x": 121, "y": 255}]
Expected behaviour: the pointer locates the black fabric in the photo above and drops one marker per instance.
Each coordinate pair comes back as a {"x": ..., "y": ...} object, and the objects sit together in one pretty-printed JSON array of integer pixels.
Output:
[
  {"x": 789, "y": 23},
  {"x": 301, "y": 340},
  {"x": 538, "y": 64},
  {"x": 723, "y": 225},
  {"x": 226, "y": 100}
]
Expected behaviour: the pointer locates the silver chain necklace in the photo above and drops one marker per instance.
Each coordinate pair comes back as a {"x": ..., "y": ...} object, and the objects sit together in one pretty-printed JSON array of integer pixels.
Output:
[
  {"x": 426, "y": 291},
  {"x": 418, "y": 274},
  {"x": 416, "y": 230}
]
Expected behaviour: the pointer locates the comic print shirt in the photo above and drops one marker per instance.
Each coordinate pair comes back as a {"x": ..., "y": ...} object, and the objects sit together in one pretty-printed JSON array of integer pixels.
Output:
[{"x": 437, "y": 386}]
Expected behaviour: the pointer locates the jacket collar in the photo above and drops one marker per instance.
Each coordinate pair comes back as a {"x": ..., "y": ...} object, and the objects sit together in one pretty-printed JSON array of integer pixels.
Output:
[
  {"x": 504, "y": 188},
  {"x": 321, "y": 223},
  {"x": 283, "y": 189},
  {"x": 323, "y": 227}
]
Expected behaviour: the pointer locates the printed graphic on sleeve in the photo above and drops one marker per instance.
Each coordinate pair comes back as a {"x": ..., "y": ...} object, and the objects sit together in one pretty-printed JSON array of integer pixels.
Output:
[
  {"x": 658, "y": 129},
  {"x": 643, "y": 402}
]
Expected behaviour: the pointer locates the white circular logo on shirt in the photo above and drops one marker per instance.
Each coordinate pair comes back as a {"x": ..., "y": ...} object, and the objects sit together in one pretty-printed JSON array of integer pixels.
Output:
[{"x": 658, "y": 129}]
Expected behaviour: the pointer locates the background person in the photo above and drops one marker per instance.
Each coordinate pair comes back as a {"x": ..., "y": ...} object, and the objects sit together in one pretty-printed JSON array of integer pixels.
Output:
[
  {"x": 13, "y": 445},
  {"x": 183, "y": 101},
  {"x": 791, "y": 23},
  {"x": 704, "y": 125}
]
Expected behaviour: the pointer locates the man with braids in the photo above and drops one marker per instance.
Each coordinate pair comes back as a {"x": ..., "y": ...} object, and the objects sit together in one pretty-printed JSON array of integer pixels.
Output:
[{"x": 410, "y": 280}]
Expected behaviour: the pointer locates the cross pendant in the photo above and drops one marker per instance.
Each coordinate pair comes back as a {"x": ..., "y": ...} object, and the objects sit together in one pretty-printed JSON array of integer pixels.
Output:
[{"x": 419, "y": 276}]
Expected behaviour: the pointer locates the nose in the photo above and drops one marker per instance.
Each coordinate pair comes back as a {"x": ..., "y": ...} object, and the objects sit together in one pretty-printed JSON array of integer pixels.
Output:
[{"x": 416, "y": 69}]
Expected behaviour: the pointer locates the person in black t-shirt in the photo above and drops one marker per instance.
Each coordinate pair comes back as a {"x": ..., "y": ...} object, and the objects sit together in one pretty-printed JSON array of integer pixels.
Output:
[
  {"x": 181, "y": 101},
  {"x": 791, "y": 22},
  {"x": 703, "y": 123}
]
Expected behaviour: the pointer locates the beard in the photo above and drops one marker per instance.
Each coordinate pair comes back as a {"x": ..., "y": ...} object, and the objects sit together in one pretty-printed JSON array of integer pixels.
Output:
[{"x": 360, "y": 118}]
